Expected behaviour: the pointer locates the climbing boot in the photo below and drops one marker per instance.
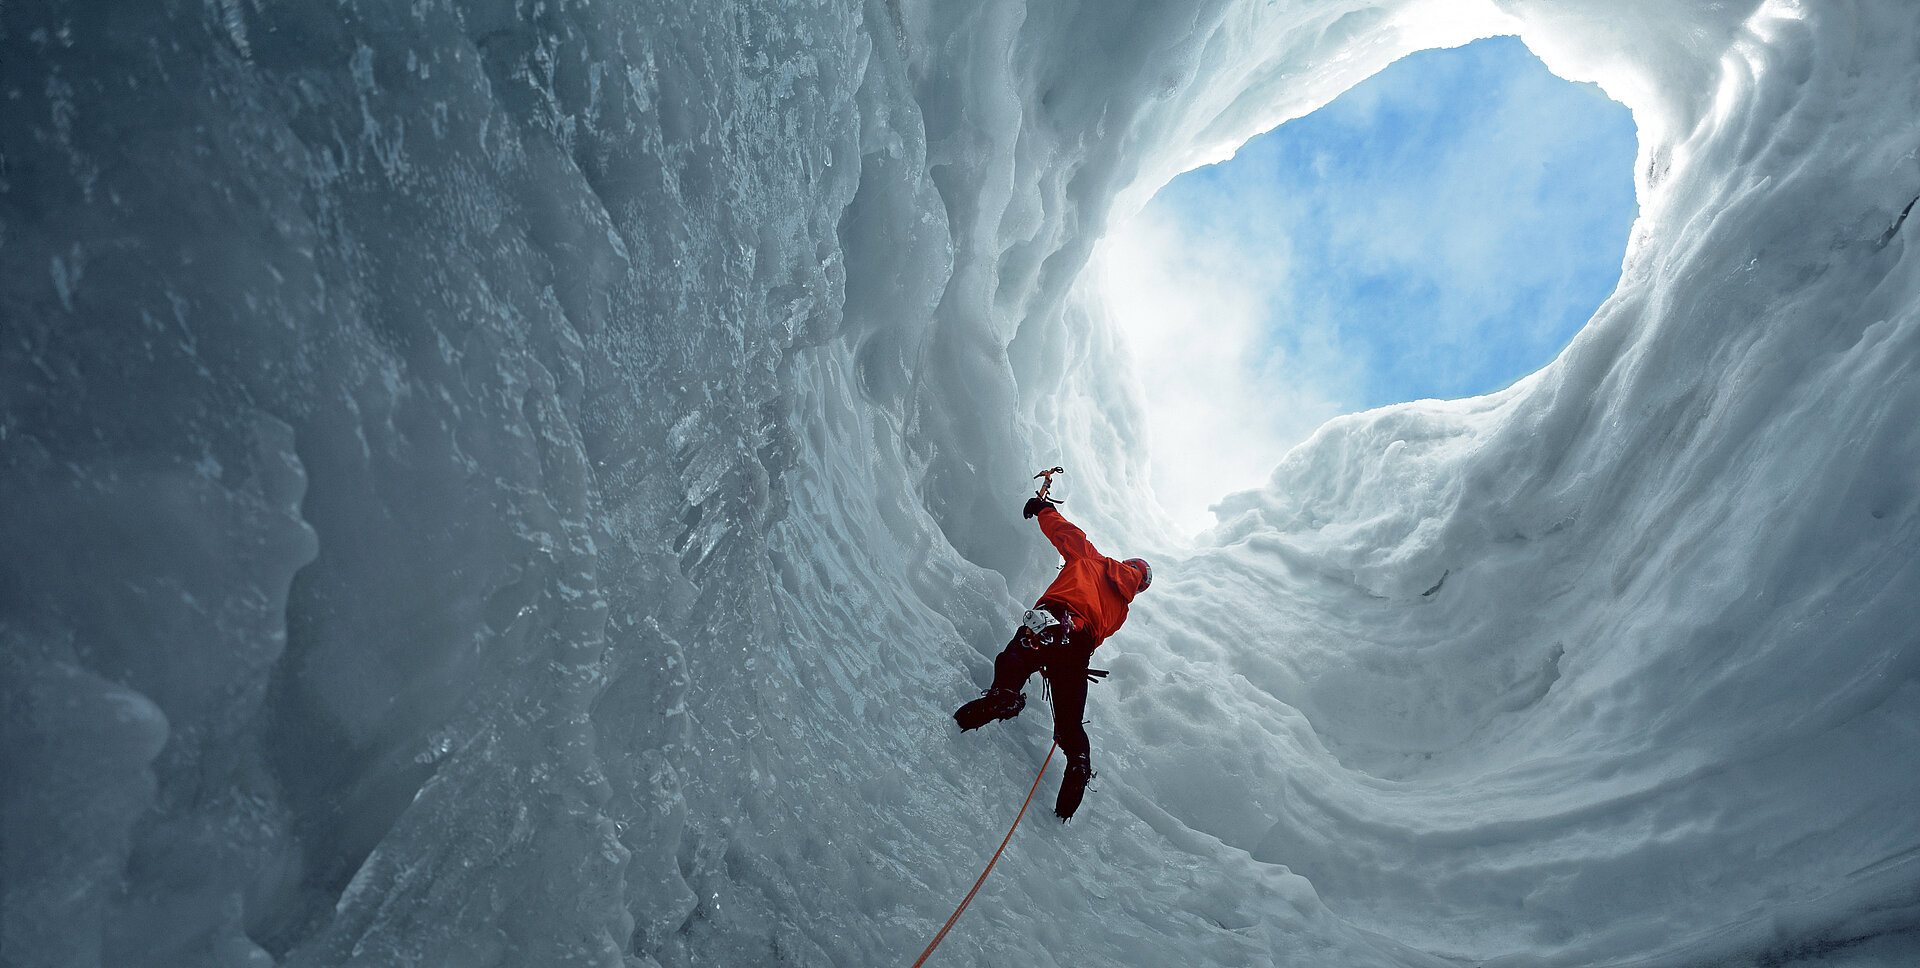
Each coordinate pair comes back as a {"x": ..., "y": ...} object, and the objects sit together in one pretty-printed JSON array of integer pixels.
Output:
[
  {"x": 996, "y": 704},
  {"x": 1073, "y": 786}
]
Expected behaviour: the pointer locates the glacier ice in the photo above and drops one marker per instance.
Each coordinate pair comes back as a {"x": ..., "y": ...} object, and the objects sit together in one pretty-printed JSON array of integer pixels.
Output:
[{"x": 524, "y": 483}]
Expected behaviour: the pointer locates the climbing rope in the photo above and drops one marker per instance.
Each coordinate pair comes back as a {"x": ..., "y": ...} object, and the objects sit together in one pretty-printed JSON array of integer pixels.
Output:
[{"x": 996, "y": 858}]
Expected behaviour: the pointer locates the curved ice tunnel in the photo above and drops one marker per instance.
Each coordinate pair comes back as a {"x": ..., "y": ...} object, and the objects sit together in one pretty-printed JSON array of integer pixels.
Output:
[{"x": 496, "y": 484}]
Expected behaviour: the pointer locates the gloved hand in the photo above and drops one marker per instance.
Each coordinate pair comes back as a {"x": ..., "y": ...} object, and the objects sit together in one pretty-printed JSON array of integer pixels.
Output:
[{"x": 1034, "y": 506}]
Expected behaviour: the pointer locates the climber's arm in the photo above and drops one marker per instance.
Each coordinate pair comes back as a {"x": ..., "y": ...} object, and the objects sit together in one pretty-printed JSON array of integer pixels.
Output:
[{"x": 1071, "y": 541}]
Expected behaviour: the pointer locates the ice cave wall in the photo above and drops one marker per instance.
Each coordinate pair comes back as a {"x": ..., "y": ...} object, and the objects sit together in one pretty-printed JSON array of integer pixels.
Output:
[{"x": 521, "y": 483}]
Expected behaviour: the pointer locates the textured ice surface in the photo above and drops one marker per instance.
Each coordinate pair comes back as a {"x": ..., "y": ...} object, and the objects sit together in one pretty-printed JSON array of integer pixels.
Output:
[{"x": 523, "y": 483}]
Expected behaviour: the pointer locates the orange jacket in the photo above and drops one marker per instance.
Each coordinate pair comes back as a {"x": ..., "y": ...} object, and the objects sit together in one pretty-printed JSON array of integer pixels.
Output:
[{"x": 1096, "y": 587}]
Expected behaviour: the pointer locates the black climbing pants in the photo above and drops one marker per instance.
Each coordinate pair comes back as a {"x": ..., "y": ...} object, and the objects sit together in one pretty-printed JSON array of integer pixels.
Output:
[{"x": 1064, "y": 665}]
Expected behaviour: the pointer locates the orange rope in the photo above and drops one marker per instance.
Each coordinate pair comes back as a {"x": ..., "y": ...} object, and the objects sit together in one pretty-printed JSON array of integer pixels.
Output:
[{"x": 996, "y": 859}]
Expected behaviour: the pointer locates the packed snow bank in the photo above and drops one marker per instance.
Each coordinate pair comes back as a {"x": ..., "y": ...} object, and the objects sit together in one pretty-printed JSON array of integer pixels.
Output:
[{"x": 520, "y": 484}]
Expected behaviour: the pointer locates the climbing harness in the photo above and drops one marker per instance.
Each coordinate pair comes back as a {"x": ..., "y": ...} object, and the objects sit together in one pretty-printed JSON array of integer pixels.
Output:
[
  {"x": 996, "y": 858},
  {"x": 1039, "y": 620}
]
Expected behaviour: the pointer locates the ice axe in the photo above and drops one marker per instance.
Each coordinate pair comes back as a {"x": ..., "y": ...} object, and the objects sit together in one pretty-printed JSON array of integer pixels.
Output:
[{"x": 1047, "y": 484}]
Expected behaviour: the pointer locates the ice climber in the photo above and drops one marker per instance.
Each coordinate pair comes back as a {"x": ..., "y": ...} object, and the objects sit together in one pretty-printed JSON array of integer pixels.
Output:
[{"x": 1084, "y": 605}]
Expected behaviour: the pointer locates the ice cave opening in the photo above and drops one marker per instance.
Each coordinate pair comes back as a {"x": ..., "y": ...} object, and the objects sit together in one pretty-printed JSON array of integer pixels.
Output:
[{"x": 1439, "y": 230}]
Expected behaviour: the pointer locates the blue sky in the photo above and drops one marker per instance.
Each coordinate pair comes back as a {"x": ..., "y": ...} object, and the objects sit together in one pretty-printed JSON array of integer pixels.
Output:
[{"x": 1440, "y": 230}]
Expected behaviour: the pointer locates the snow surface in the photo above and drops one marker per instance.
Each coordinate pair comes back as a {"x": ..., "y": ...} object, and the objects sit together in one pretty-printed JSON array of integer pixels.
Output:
[{"x": 525, "y": 484}]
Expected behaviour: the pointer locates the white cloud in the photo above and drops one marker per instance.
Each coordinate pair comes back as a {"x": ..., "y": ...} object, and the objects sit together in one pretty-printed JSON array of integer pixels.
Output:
[{"x": 1223, "y": 406}]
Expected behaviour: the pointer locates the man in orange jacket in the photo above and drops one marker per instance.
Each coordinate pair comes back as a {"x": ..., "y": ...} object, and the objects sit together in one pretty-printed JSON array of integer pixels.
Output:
[{"x": 1084, "y": 605}]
